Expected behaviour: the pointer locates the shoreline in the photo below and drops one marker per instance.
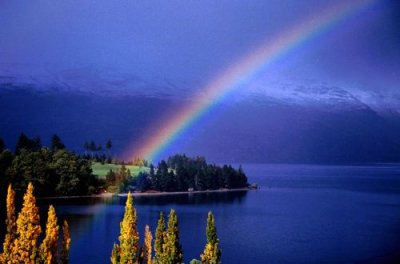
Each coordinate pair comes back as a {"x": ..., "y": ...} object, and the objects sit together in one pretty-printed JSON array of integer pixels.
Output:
[
  {"x": 183, "y": 192},
  {"x": 109, "y": 195}
]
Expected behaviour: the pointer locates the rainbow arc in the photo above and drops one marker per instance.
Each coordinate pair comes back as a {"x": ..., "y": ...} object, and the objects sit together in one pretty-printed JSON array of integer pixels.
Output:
[{"x": 240, "y": 72}]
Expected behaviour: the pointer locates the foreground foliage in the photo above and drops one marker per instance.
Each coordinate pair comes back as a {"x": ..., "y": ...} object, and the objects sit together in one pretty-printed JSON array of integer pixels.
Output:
[
  {"x": 21, "y": 241},
  {"x": 167, "y": 248},
  {"x": 23, "y": 233}
]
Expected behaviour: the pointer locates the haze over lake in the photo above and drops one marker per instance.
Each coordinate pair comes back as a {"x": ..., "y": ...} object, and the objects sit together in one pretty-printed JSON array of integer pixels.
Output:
[{"x": 301, "y": 214}]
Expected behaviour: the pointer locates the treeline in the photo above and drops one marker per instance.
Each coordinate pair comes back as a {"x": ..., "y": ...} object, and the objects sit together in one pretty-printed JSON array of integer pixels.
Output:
[
  {"x": 167, "y": 248},
  {"x": 97, "y": 153},
  {"x": 21, "y": 242},
  {"x": 54, "y": 170},
  {"x": 181, "y": 173}
]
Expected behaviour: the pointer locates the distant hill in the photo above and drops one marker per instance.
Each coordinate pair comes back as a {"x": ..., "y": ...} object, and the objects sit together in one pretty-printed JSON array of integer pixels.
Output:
[{"x": 333, "y": 127}]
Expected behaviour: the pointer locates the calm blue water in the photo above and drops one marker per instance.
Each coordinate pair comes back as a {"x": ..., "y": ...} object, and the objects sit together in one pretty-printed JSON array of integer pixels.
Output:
[{"x": 301, "y": 214}]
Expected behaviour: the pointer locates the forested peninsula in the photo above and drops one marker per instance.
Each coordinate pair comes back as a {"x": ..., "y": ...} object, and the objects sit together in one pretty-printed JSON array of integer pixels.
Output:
[{"x": 56, "y": 171}]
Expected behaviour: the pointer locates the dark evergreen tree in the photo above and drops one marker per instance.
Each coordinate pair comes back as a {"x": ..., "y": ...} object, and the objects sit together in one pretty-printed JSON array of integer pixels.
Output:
[
  {"x": 143, "y": 182},
  {"x": 24, "y": 142},
  {"x": 86, "y": 147},
  {"x": 2, "y": 145},
  {"x": 56, "y": 143},
  {"x": 109, "y": 144}
]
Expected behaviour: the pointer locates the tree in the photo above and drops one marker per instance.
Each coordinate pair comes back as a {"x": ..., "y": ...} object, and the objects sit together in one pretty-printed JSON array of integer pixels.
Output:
[
  {"x": 211, "y": 230},
  {"x": 24, "y": 142},
  {"x": 172, "y": 248},
  {"x": 147, "y": 248},
  {"x": 92, "y": 147},
  {"x": 48, "y": 248},
  {"x": 160, "y": 240},
  {"x": 129, "y": 236},
  {"x": 109, "y": 145},
  {"x": 2, "y": 145},
  {"x": 28, "y": 230},
  {"x": 65, "y": 165},
  {"x": 30, "y": 166},
  {"x": 212, "y": 253},
  {"x": 11, "y": 226},
  {"x": 143, "y": 182},
  {"x": 110, "y": 177},
  {"x": 115, "y": 254},
  {"x": 161, "y": 176},
  {"x": 66, "y": 244},
  {"x": 56, "y": 143},
  {"x": 86, "y": 147}
]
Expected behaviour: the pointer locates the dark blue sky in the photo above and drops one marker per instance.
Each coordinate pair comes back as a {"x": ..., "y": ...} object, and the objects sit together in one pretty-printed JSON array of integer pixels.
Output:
[{"x": 190, "y": 41}]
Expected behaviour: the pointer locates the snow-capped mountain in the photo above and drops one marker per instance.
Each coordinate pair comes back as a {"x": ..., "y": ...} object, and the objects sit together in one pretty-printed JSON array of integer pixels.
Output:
[
  {"x": 309, "y": 93},
  {"x": 281, "y": 121}
]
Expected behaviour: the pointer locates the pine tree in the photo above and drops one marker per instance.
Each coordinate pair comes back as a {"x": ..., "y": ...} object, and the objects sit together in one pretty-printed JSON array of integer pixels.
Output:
[
  {"x": 48, "y": 248},
  {"x": 147, "y": 248},
  {"x": 160, "y": 240},
  {"x": 56, "y": 143},
  {"x": 129, "y": 237},
  {"x": 28, "y": 230},
  {"x": 212, "y": 253},
  {"x": 11, "y": 226},
  {"x": 172, "y": 248},
  {"x": 66, "y": 244},
  {"x": 2, "y": 145}
]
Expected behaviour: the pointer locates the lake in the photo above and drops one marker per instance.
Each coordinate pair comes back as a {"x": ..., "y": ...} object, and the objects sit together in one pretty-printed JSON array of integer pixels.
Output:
[{"x": 301, "y": 214}]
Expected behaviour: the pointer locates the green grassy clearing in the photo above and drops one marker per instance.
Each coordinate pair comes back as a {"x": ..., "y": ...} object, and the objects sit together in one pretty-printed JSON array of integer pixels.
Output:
[{"x": 101, "y": 170}]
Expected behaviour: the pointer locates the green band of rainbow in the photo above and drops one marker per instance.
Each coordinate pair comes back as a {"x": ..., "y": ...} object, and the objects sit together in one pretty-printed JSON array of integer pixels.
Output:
[{"x": 240, "y": 72}]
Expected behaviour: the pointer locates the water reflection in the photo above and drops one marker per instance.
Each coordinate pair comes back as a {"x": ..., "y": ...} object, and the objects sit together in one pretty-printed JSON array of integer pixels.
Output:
[
  {"x": 229, "y": 197},
  {"x": 190, "y": 199}
]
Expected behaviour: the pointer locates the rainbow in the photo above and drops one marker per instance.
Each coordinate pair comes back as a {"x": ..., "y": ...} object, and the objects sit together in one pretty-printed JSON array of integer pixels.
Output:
[{"x": 242, "y": 71}]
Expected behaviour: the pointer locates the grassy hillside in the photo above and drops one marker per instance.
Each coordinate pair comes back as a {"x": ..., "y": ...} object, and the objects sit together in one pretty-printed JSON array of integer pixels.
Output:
[{"x": 101, "y": 170}]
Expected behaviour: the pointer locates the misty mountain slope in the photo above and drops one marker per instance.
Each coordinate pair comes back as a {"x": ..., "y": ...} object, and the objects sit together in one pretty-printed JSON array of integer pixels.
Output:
[
  {"x": 253, "y": 129},
  {"x": 297, "y": 134},
  {"x": 77, "y": 117}
]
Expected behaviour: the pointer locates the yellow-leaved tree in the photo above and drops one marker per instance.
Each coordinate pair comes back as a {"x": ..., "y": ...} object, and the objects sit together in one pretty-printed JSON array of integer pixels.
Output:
[
  {"x": 28, "y": 231},
  {"x": 128, "y": 250},
  {"x": 48, "y": 249},
  {"x": 20, "y": 242},
  {"x": 11, "y": 226},
  {"x": 147, "y": 248},
  {"x": 212, "y": 253},
  {"x": 172, "y": 248},
  {"x": 159, "y": 242},
  {"x": 66, "y": 244}
]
